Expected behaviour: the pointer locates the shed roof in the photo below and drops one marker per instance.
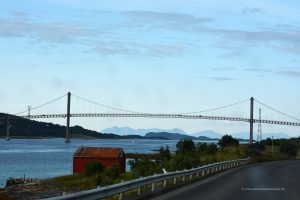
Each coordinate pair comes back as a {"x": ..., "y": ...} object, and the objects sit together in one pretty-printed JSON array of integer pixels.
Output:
[{"x": 98, "y": 152}]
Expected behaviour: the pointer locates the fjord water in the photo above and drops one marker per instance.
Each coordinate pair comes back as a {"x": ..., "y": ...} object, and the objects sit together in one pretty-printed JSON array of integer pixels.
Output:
[{"x": 44, "y": 158}]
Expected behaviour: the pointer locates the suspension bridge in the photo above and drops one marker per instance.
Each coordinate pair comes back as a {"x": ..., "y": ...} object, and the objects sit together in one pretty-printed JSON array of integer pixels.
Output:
[{"x": 133, "y": 114}]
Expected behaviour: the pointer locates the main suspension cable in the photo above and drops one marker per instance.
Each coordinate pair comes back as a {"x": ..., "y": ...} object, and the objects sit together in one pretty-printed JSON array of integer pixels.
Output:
[
  {"x": 217, "y": 108},
  {"x": 44, "y": 104},
  {"x": 277, "y": 110}
]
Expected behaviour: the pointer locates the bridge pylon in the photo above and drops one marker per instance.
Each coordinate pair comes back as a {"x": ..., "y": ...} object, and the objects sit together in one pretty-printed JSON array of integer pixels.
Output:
[
  {"x": 251, "y": 120},
  {"x": 67, "y": 140}
]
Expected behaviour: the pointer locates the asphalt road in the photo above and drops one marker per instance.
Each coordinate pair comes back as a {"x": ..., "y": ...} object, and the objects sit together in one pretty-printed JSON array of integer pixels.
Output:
[{"x": 271, "y": 180}]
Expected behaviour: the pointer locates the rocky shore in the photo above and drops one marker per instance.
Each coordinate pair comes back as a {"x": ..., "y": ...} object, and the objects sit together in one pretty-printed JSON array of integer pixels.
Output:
[{"x": 31, "y": 190}]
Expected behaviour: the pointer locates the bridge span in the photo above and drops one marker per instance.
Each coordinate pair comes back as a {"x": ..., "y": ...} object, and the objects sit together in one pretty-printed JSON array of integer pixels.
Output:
[{"x": 133, "y": 114}]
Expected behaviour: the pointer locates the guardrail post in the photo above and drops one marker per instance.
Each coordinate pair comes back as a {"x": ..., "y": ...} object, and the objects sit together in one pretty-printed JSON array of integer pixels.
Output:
[
  {"x": 175, "y": 179},
  {"x": 165, "y": 183},
  {"x": 191, "y": 177},
  {"x": 153, "y": 186},
  {"x": 183, "y": 178},
  {"x": 139, "y": 189},
  {"x": 197, "y": 174},
  {"x": 203, "y": 173},
  {"x": 121, "y": 194}
]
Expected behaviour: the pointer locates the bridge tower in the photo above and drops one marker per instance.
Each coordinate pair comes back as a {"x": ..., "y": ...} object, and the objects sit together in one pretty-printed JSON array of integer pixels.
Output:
[
  {"x": 68, "y": 119},
  {"x": 29, "y": 108},
  {"x": 259, "y": 132},
  {"x": 251, "y": 120}
]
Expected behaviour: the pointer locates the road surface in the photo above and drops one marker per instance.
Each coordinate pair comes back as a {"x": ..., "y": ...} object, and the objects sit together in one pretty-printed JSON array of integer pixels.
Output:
[{"x": 271, "y": 180}]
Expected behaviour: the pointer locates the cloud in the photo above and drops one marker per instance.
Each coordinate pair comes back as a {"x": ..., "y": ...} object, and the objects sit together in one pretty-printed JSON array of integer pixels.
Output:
[
  {"x": 220, "y": 78},
  {"x": 223, "y": 68},
  {"x": 253, "y": 36},
  {"x": 253, "y": 69},
  {"x": 231, "y": 54},
  {"x": 129, "y": 49},
  {"x": 165, "y": 17},
  {"x": 125, "y": 37},
  {"x": 50, "y": 32},
  {"x": 102, "y": 39},
  {"x": 284, "y": 39},
  {"x": 289, "y": 72},
  {"x": 248, "y": 10},
  {"x": 288, "y": 41},
  {"x": 284, "y": 71}
]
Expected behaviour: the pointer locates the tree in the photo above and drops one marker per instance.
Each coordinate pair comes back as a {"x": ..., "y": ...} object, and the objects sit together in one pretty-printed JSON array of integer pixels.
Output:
[
  {"x": 256, "y": 148},
  {"x": 206, "y": 149},
  {"x": 164, "y": 153},
  {"x": 212, "y": 149},
  {"x": 93, "y": 167},
  {"x": 144, "y": 167},
  {"x": 268, "y": 141},
  {"x": 112, "y": 172},
  {"x": 185, "y": 146},
  {"x": 288, "y": 148},
  {"x": 228, "y": 140},
  {"x": 202, "y": 149}
]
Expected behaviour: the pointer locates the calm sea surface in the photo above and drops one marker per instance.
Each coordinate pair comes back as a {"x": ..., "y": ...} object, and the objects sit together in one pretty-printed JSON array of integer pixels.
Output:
[{"x": 44, "y": 158}]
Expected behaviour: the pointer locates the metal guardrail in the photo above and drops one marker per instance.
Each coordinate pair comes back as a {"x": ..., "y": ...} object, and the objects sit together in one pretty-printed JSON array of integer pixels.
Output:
[{"x": 120, "y": 188}]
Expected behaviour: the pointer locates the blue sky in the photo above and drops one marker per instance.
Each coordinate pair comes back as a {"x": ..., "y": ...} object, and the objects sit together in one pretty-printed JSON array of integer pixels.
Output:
[{"x": 153, "y": 56}]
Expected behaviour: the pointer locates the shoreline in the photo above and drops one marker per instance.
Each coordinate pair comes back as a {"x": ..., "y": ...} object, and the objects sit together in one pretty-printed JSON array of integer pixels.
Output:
[{"x": 96, "y": 138}]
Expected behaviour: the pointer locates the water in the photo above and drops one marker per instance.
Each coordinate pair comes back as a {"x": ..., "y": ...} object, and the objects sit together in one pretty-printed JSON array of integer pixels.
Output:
[{"x": 45, "y": 158}]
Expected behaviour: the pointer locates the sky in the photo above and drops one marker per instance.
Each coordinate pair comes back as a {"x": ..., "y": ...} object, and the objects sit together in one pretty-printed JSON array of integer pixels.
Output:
[{"x": 158, "y": 56}]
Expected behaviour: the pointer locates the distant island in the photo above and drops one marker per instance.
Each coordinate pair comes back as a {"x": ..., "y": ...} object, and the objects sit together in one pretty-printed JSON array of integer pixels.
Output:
[
  {"x": 175, "y": 136},
  {"x": 25, "y": 128}
]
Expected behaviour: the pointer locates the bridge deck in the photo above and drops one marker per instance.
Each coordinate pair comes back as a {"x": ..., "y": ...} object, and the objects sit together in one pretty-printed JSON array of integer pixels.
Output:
[{"x": 149, "y": 115}]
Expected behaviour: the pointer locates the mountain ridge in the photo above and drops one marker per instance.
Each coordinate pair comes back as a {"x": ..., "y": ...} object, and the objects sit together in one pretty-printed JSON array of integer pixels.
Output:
[{"x": 206, "y": 133}]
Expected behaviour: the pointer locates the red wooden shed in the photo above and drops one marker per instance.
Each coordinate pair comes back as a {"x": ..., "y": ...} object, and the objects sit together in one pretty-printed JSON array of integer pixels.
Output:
[{"x": 105, "y": 155}]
